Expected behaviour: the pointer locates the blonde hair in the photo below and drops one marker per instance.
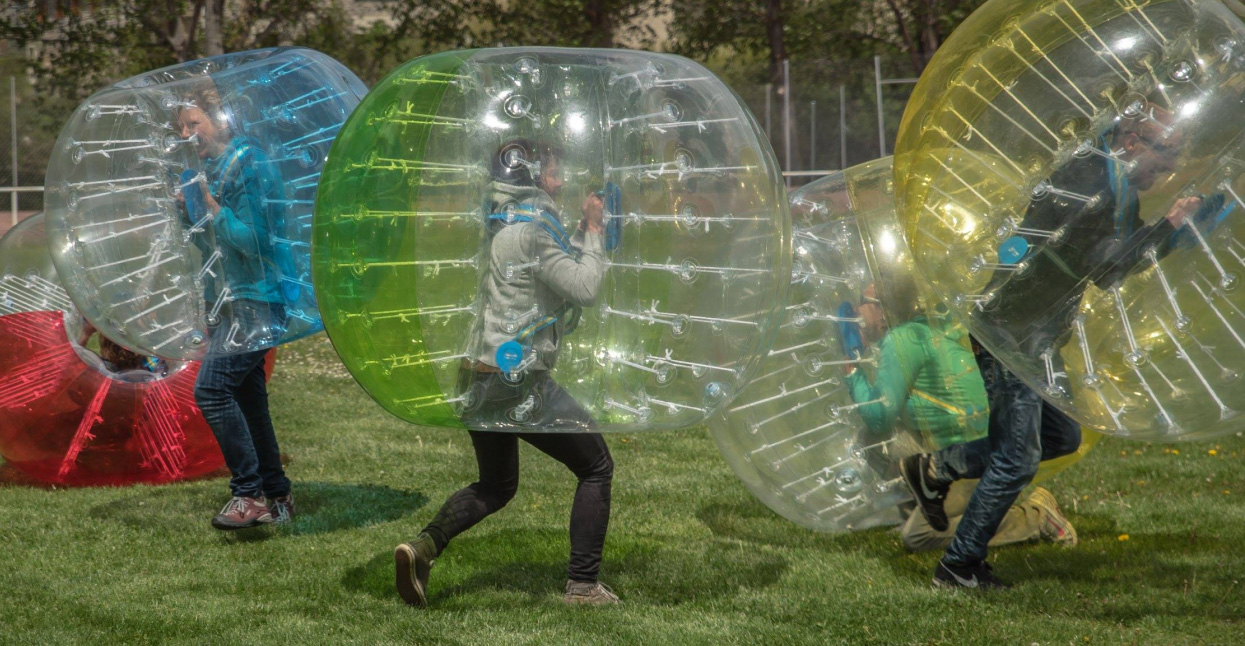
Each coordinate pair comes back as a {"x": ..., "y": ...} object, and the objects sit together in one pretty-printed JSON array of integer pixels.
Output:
[{"x": 206, "y": 98}]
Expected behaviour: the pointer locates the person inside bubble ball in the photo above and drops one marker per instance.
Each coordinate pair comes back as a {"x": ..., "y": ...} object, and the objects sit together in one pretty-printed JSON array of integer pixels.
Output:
[
  {"x": 928, "y": 379},
  {"x": 537, "y": 278},
  {"x": 1099, "y": 238},
  {"x": 115, "y": 357},
  {"x": 231, "y": 207}
]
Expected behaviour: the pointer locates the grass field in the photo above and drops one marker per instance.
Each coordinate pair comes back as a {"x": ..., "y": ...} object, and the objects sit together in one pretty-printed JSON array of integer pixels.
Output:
[{"x": 695, "y": 558}]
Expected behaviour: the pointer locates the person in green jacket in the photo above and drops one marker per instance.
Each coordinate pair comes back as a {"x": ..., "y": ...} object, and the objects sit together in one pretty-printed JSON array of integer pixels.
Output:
[
  {"x": 926, "y": 375},
  {"x": 928, "y": 380}
]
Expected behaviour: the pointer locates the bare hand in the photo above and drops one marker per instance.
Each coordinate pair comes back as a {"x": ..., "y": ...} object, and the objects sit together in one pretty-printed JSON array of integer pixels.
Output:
[
  {"x": 210, "y": 202},
  {"x": 594, "y": 214},
  {"x": 1183, "y": 209}
]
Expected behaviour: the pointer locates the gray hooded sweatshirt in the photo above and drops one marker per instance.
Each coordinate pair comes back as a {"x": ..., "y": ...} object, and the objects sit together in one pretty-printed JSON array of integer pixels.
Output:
[{"x": 529, "y": 276}]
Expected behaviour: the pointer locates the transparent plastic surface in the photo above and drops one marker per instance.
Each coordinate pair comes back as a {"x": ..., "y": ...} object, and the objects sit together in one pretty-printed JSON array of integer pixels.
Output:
[
  {"x": 179, "y": 202},
  {"x": 458, "y": 260},
  {"x": 1070, "y": 175},
  {"x": 865, "y": 369},
  {"x": 69, "y": 417},
  {"x": 28, "y": 279}
]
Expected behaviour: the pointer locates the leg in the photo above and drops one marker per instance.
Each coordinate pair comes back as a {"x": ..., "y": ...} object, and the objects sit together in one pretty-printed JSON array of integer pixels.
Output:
[
  {"x": 1061, "y": 435},
  {"x": 497, "y": 455},
  {"x": 966, "y": 461},
  {"x": 588, "y": 457},
  {"x": 1015, "y": 423},
  {"x": 252, "y": 397},
  {"x": 919, "y": 536},
  {"x": 216, "y": 389}
]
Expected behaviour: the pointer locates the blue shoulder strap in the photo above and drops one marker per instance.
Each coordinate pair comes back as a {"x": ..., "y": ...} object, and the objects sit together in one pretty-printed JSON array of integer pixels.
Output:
[{"x": 530, "y": 213}]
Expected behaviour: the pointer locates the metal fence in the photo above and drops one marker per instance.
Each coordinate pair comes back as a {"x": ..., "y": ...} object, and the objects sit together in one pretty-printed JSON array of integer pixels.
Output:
[
  {"x": 24, "y": 153},
  {"x": 829, "y": 115},
  {"x": 824, "y": 116}
]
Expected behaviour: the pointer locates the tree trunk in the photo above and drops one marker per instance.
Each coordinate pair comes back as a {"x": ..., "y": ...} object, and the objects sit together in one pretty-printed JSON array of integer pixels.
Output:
[
  {"x": 214, "y": 28},
  {"x": 601, "y": 27},
  {"x": 777, "y": 44},
  {"x": 910, "y": 45}
]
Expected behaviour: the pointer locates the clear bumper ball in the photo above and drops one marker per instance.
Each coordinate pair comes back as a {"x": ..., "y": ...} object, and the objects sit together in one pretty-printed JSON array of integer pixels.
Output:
[
  {"x": 551, "y": 239},
  {"x": 1071, "y": 174},
  {"x": 865, "y": 369},
  {"x": 179, "y": 201}
]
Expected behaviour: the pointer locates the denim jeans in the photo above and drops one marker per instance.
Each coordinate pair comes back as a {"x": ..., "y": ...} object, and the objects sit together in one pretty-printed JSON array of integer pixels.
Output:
[
  {"x": 232, "y": 393},
  {"x": 1024, "y": 430}
]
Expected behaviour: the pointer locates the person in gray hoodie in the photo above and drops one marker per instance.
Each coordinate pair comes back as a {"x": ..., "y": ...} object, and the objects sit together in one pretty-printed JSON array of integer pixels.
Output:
[{"x": 537, "y": 278}]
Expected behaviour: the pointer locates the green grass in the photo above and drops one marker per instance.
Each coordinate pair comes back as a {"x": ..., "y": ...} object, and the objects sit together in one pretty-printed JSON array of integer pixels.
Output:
[{"x": 695, "y": 558}]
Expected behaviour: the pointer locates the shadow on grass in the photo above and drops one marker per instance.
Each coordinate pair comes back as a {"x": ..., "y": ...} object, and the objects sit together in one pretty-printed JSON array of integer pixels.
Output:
[
  {"x": 533, "y": 564},
  {"x": 755, "y": 523},
  {"x": 1178, "y": 575},
  {"x": 321, "y": 508}
]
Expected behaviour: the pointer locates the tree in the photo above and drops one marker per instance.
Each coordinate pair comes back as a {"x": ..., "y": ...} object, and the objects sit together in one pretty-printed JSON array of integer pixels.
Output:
[
  {"x": 567, "y": 23},
  {"x": 815, "y": 29}
]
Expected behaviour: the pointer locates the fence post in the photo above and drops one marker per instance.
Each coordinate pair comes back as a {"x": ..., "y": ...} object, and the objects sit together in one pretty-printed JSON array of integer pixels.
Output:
[
  {"x": 842, "y": 128},
  {"x": 786, "y": 119},
  {"x": 769, "y": 130},
  {"x": 812, "y": 135},
  {"x": 877, "y": 84},
  {"x": 13, "y": 128}
]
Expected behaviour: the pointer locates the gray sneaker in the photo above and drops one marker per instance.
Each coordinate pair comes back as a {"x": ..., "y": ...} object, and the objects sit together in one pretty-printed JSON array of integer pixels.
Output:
[
  {"x": 412, "y": 564},
  {"x": 591, "y": 594},
  {"x": 282, "y": 509}
]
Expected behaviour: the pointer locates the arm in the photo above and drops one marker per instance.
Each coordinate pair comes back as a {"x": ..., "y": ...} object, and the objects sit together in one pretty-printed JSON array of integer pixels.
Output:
[
  {"x": 897, "y": 371},
  {"x": 578, "y": 281},
  {"x": 242, "y": 220},
  {"x": 1162, "y": 236}
]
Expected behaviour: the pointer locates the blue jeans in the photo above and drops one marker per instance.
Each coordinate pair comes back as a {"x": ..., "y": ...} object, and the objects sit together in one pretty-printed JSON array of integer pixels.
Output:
[
  {"x": 1024, "y": 430},
  {"x": 232, "y": 393}
]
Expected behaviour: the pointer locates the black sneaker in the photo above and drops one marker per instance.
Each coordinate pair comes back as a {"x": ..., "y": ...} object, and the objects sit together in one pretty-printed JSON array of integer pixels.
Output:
[
  {"x": 412, "y": 564},
  {"x": 930, "y": 494},
  {"x": 973, "y": 577}
]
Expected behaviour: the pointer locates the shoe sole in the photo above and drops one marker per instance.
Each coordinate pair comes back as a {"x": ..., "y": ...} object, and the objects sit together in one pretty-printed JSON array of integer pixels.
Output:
[
  {"x": 229, "y": 527},
  {"x": 914, "y": 485},
  {"x": 406, "y": 578},
  {"x": 939, "y": 584}
]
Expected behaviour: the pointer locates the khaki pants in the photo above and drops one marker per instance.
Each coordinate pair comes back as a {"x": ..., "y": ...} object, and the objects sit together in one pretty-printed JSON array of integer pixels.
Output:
[{"x": 1022, "y": 523}]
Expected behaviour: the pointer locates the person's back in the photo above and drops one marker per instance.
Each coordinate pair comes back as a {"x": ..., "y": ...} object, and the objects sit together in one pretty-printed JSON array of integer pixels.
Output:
[
  {"x": 927, "y": 379},
  {"x": 535, "y": 270}
]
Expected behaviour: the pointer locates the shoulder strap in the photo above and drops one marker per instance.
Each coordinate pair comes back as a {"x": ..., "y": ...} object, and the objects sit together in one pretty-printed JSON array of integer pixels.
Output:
[
  {"x": 546, "y": 220},
  {"x": 234, "y": 158}
]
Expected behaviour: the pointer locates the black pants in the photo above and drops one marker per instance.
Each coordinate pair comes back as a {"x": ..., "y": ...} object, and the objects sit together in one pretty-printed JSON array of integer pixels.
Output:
[{"x": 497, "y": 456}]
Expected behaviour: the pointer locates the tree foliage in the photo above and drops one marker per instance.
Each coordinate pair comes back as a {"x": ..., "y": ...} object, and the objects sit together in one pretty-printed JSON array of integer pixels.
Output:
[{"x": 816, "y": 29}]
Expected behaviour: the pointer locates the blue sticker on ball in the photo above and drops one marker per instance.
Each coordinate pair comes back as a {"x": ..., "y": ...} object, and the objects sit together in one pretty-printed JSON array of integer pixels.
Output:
[
  {"x": 1013, "y": 250},
  {"x": 509, "y": 356}
]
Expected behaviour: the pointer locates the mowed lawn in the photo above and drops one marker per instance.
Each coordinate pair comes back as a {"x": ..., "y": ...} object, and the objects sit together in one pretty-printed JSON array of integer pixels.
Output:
[{"x": 695, "y": 558}]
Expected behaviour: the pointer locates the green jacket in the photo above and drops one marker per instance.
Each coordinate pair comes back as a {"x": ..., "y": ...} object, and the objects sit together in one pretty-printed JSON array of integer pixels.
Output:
[{"x": 929, "y": 378}]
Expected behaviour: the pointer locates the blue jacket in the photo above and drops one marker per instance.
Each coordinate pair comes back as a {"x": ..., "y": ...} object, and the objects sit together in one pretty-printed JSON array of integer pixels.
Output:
[{"x": 250, "y": 192}]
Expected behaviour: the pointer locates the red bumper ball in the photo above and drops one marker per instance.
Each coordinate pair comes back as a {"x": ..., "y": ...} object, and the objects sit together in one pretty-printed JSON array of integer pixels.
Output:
[{"x": 65, "y": 419}]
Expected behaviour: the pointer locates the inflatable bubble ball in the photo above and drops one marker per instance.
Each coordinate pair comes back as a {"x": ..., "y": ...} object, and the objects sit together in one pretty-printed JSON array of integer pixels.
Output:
[
  {"x": 551, "y": 239},
  {"x": 1070, "y": 176},
  {"x": 28, "y": 279},
  {"x": 75, "y": 408},
  {"x": 179, "y": 201},
  {"x": 864, "y": 371}
]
